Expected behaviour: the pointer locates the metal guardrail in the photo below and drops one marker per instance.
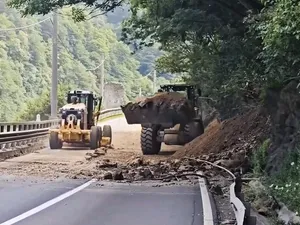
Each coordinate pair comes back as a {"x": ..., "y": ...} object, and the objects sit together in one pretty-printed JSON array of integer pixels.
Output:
[
  {"x": 110, "y": 112},
  {"x": 17, "y": 134},
  {"x": 240, "y": 207},
  {"x": 13, "y": 128},
  {"x": 25, "y": 127}
]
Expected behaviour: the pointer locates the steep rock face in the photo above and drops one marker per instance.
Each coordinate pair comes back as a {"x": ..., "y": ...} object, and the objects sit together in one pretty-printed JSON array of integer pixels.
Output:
[{"x": 284, "y": 108}]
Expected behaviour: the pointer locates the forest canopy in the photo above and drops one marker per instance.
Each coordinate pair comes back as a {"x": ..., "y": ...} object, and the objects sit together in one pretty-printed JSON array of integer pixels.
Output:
[
  {"x": 234, "y": 49},
  {"x": 25, "y": 60}
]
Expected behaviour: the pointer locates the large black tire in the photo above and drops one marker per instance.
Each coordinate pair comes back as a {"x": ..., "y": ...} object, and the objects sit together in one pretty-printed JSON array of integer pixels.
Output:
[
  {"x": 149, "y": 144},
  {"x": 107, "y": 132},
  {"x": 96, "y": 136},
  {"x": 54, "y": 141},
  {"x": 193, "y": 130}
]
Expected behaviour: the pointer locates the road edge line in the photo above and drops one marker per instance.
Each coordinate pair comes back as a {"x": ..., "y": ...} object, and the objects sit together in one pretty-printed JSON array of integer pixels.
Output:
[
  {"x": 208, "y": 218},
  {"x": 47, "y": 204}
]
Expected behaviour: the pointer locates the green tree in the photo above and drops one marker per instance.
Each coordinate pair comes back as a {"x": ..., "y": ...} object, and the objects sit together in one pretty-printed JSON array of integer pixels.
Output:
[
  {"x": 25, "y": 62},
  {"x": 41, "y": 105},
  {"x": 29, "y": 7}
]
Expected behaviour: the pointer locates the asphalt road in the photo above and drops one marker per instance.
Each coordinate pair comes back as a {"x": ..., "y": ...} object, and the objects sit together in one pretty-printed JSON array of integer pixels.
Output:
[
  {"x": 110, "y": 204},
  {"x": 36, "y": 201}
]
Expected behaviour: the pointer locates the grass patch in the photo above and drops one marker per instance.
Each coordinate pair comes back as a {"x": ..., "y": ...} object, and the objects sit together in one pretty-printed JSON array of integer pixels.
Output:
[{"x": 111, "y": 117}]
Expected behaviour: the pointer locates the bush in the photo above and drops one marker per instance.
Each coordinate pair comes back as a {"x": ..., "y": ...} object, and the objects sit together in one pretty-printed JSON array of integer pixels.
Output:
[
  {"x": 286, "y": 184},
  {"x": 259, "y": 158}
]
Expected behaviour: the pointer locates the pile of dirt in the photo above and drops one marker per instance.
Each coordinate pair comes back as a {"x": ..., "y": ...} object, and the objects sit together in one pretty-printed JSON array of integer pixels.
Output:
[
  {"x": 164, "y": 100},
  {"x": 229, "y": 143},
  {"x": 166, "y": 97},
  {"x": 162, "y": 107}
]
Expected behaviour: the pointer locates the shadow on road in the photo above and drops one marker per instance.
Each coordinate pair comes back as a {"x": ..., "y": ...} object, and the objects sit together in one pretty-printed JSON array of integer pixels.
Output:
[
  {"x": 166, "y": 153},
  {"x": 75, "y": 146}
]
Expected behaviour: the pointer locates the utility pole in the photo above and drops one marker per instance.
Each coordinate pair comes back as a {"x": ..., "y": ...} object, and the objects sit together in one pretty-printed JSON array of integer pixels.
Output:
[
  {"x": 102, "y": 77},
  {"x": 54, "y": 67},
  {"x": 154, "y": 81},
  {"x": 140, "y": 92}
]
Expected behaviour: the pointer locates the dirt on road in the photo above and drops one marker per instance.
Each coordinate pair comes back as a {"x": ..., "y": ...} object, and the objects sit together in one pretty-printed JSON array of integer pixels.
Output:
[
  {"x": 228, "y": 144},
  {"x": 231, "y": 142},
  {"x": 79, "y": 162}
]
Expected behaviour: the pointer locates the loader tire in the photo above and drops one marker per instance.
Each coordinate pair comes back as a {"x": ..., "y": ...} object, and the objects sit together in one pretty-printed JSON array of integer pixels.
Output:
[
  {"x": 193, "y": 130},
  {"x": 149, "y": 144},
  {"x": 95, "y": 138},
  {"x": 107, "y": 132},
  {"x": 54, "y": 141}
]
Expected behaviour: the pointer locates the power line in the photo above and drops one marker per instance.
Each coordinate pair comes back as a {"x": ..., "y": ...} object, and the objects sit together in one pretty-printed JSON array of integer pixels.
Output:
[
  {"x": 24, "y": 27},
  {"x": 141, "y": 78},
  {"x": 102, "y": 61}
]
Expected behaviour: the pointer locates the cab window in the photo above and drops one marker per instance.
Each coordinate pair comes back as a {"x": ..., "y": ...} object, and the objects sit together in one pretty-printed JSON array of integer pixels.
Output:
[{"x": 83, "y": 99}]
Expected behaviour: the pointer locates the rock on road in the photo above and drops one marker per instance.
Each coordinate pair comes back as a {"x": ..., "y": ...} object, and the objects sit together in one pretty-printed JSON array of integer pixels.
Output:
[{"x": 36, "y": 189}]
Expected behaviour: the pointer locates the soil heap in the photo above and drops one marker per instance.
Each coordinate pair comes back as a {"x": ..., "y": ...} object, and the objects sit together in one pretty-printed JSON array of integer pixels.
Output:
[
  {"x": 162, "y": 107},
  {"x": 231, "y": 142}
]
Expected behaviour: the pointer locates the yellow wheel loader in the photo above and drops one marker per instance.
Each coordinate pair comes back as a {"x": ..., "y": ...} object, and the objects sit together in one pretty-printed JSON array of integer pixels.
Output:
[{"x": 79, "y": 122}]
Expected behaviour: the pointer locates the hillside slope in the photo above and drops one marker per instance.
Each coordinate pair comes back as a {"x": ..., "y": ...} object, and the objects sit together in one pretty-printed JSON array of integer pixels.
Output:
[{"x": 25, "y": 59}]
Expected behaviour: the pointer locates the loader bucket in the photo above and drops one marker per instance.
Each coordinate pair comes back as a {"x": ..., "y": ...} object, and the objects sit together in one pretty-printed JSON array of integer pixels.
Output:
[{"x": 150, "y": 113}]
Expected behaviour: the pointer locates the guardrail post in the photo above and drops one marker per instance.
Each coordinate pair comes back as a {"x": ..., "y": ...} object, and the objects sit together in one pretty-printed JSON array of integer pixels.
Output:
[{"x": 248, "y": 220}]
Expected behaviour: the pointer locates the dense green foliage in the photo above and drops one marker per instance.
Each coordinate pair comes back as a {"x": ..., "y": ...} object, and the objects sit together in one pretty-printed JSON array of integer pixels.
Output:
[
  {"x": 210, "y": 42},
  {"x": 146, "y": 56},
  {"x": 285, "y": 185},
  {"x": 234, "y": 49},
  {"x": 25, "y": 60},
  {"x": 29, "y": 7},
  {"x": 259, "y": 158},
  {"x": 41, "y": 104}
]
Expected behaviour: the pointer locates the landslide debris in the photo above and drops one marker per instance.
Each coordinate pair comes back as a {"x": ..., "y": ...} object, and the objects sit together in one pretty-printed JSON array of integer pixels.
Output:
[
  {"x": 137, "y": 168},
  {"x": 230, "y": 142}
]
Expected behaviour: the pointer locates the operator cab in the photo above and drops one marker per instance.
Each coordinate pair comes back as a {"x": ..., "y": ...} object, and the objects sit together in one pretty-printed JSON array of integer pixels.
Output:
[
  {"x": 191, "y": 91},
  {"x": 85, "y": 97},
  {"x": 89, "y": 99}
]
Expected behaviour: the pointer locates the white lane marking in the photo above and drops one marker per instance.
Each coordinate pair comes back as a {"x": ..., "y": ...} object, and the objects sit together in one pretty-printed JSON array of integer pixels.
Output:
[
  {"x": 208, "y": 218},
  {"x": 47, "y": 204}
]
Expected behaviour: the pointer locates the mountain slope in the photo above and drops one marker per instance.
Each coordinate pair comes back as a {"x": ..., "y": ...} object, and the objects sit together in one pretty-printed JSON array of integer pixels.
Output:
[{"x": 25, "y": 59}]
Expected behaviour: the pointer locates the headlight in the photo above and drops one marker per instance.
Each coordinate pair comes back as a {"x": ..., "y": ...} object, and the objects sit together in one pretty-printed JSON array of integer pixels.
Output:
[{"x": 63, "y": 114}]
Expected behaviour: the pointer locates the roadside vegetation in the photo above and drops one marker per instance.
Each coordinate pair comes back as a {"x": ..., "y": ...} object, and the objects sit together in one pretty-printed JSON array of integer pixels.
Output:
[
  {"x": 26, "y": 61},
  {"x": 286, "y": 184},
  {"x": 280, "y": 187}
]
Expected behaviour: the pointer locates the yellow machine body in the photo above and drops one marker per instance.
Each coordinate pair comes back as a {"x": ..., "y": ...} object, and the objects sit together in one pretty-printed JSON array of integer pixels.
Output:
[{"x": 70, "y": 130}]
